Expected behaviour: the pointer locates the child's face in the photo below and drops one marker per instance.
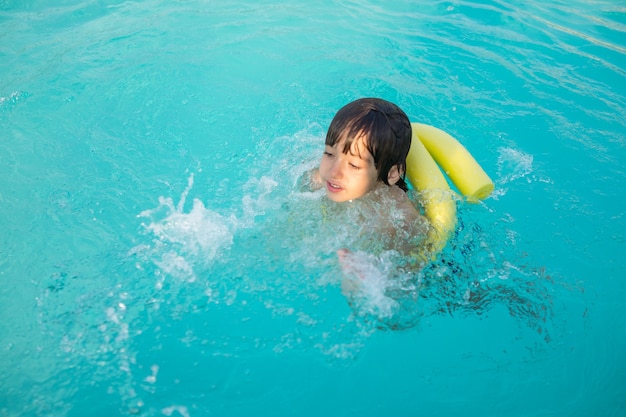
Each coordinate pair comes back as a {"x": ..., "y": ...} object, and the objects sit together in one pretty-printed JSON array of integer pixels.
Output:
[{"x": 348, "y": 176}]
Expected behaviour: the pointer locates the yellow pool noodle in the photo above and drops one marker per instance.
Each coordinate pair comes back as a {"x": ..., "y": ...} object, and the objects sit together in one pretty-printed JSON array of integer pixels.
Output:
[
  {"x": 437, "y": 197},
  {"x": 458, "y": 164}
]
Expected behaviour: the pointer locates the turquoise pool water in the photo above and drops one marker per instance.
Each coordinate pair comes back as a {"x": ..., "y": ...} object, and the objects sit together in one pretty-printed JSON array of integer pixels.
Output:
[{"x": 158, "y": 259}]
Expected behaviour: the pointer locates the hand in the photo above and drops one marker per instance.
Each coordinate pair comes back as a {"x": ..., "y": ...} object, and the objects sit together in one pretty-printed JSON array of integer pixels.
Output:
[{"x": 353, "y": 271}]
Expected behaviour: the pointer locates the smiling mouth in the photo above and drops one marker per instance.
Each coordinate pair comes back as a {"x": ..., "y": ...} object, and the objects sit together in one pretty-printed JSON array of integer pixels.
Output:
[{"x": 333, "y": 187}]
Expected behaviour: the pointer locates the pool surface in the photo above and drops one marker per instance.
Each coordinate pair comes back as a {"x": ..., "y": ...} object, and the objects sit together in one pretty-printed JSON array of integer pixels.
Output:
[{"x": 158, "y": 257}]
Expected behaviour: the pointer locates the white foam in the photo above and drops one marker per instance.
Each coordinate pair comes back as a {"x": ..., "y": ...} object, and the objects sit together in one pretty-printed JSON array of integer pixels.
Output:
[
  {"x": 368, "y": 279},
  {"x": 182, "y": 239},
  {"x": 257, "y": 201},
  {"x": 151, "y": 379},
  {"x": 513, "y": 165},
  {"x": 180, "y": 409}
]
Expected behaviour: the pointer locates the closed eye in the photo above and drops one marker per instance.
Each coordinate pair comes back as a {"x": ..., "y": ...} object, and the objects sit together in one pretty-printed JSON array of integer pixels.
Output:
[{"x": 329, "y": 151}]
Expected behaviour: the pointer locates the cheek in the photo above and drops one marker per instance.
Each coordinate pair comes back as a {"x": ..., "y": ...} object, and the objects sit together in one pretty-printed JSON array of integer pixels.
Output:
[
  {"x": 373, "y": 176},
  {"x": 323, "y": 165},
  {"x": 366, "y": 182}
]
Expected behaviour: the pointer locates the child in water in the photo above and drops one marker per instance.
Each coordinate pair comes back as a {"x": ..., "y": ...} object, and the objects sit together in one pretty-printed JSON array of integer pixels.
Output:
[{"x": 364, "y": 159}]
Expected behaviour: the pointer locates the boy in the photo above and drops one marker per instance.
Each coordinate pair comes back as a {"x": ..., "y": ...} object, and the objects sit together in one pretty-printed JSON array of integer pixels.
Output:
[{"x": 365, "y": 158}]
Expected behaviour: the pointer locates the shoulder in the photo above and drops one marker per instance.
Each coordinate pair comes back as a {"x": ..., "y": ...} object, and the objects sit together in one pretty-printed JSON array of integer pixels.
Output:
[
  {"x": 309, "y": 181},
  {"x": 409, "y": 215}
]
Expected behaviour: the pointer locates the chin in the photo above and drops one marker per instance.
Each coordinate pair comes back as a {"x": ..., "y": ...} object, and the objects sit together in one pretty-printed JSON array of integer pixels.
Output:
[
  {"x": 336, "y": 198},
  {"x": 340, "y": 198}
]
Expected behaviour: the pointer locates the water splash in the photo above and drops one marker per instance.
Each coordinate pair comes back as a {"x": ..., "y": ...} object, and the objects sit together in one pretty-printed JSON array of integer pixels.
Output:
[
  {"x": 183, "y": 241},
  {"x": 376, "y": 287},
  {"x": 9, "y": 103},
  {"x": 513, "y": 165}
]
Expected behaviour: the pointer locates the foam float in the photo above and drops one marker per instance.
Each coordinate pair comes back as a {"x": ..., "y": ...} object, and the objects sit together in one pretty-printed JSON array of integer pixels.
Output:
[{"x": 432, "y": 148}]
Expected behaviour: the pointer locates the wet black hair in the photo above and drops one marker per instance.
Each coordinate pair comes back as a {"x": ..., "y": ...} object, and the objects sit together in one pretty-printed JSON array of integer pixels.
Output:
[{"x": 386, "y": 129}]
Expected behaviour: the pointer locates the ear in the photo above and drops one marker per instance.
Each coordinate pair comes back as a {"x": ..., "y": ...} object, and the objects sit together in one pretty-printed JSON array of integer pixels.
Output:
[{"x": 394, "y": 174}]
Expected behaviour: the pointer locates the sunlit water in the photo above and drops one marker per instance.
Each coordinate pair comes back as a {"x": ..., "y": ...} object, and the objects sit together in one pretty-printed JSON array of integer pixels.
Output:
[{"x": 158, "y": 256}]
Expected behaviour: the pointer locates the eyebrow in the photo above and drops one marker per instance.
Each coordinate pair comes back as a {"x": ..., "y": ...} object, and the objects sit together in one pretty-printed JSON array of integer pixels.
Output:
[
  {"x": 369, "y": 161},
  {"x": 358, "y": 154}
]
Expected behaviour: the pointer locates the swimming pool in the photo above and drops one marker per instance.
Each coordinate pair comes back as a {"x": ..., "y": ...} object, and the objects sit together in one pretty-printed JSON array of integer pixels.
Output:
[{"x": 158, "y": 259}]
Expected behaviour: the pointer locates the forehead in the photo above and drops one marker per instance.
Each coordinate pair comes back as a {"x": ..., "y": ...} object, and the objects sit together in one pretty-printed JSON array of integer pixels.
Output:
[{"x": 355, "y": 145}]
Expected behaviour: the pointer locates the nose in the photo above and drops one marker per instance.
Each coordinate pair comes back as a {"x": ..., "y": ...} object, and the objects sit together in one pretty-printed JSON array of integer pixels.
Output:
[{"x": 336, "y": 169}]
